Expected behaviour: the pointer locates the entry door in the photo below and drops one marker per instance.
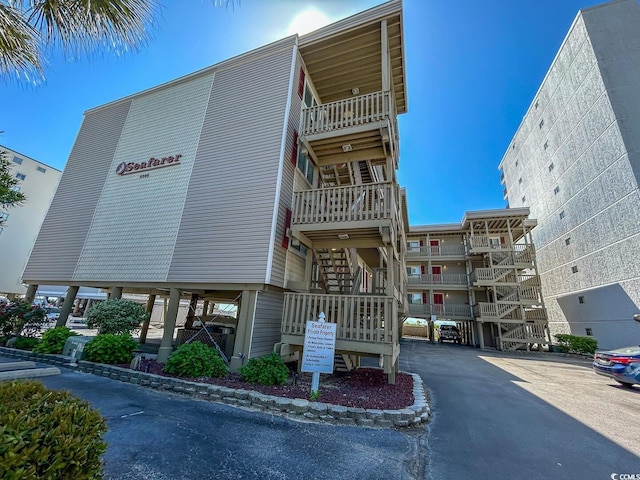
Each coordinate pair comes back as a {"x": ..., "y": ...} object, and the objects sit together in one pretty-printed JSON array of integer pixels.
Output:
[
  {"x": 434, "y": 245},
  {"x": 436, "y": 271},
  {"x": 438, "y": 303}
]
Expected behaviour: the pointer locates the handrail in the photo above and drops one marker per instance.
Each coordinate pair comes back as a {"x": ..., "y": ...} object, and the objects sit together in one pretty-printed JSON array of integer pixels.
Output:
[
  {"x": 371, "y": 201},
  {"x": 347, "y": 112}
]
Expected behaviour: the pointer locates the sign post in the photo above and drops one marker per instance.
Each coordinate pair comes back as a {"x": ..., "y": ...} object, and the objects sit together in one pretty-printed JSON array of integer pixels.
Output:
[{"x": 319, "y": 349}]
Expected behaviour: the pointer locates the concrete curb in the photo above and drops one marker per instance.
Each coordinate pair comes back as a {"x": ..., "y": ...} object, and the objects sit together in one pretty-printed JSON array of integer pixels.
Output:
[{"x": 300, "y": 409}]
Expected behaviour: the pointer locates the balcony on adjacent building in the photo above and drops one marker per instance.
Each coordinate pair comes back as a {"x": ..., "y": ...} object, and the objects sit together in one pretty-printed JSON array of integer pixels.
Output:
[
  {"x": 441, "y": 252},
  {"x": 453, "y": 311},
  {"x": 432, "y": 280}
]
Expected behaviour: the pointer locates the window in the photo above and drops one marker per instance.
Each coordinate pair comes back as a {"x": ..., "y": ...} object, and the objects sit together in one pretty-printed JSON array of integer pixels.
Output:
[
  {"x": 516, "y": 163},
  {"x": 20, "y": 176},
  {"x": 551, "y": 166},
  {"x": 562, "y": 214},
  {"x": 1, "y": 230},
  {"x": 581, "y": 299},
  {"x": 546, "y": 144},
  {"x": 520, "y": 181},
  {"x": 15, "y": 188},
  {"x": 3, "y": 216},
  {"x": 513, "y": 146},
  {"x": 305, "y": 166},
  {"x": 17, "y": 160},
  {"x": 556, "y": 190},
  {"x": 524, "y": 199},
  {"x": 541, "y": 124},
  {"x": 41, "y": 169},
  {"x": 537, "y": 103},
  {"x": 567, "y": 241},
  {"x": 299, "y": 248},
  {"x": 574, "y": 269},
  {"x": 589, "y": 332}
]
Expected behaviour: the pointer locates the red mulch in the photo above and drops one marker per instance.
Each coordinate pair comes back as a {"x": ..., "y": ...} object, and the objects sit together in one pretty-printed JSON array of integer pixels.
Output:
[{"x": 364, "y": 387}]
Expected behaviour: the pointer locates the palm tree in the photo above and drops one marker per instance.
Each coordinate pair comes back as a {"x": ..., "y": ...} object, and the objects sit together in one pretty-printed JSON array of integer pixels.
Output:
[{"x": 28, "y": 28}]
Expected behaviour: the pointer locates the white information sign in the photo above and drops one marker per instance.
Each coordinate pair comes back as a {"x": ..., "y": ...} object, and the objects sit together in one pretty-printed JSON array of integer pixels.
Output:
[{"x": 319, "y": 347}]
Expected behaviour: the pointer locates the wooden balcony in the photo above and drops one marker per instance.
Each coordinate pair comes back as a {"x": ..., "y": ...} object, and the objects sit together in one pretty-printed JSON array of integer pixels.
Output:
[
  {"x": 365, "y": 322},
  {"x": 441, "y": 252},
  {"x": 355, "y": 212},
  {"x": 483, "y": 277},
  {"x": 448, "y": 280},
  {"x": 351, "y": 129},
  {"x": 452, "y": 311}
]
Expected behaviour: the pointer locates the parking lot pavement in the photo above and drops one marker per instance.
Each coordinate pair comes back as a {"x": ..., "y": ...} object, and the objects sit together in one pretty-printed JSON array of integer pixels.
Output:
[
  {"x": 157, "y": 435},
  {"x": 512, "y": 416}
]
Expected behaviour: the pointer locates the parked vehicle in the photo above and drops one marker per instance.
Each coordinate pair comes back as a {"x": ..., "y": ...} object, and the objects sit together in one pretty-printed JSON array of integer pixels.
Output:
[
  {"x": 53, "y": 313},
  {"x": 622, "y": 365},
  {"x": 449, "y": 333}
]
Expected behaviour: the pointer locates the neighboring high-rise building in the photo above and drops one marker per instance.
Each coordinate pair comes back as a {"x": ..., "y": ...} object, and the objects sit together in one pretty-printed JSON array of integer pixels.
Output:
[
  {"x": 267, "y": 180},
  {"x": 20, "y": 223},
  {"x": 575, "y": 161},
  {"x": 481, "y": 274}
]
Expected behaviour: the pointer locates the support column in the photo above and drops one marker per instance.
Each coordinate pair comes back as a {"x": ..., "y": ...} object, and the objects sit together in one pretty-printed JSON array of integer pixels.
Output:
[
  {"x": 244, "y": 331},
  {"x": 191, "y": 313},
  {"x": 166, "y": 346},
  {"x": 480, "y": 333},
  {"x": 116, "y": 292},
  {"x": 31, "y": 293},
  {"x": 69, "y": 300},
  {"x": 145, "y": 325}
]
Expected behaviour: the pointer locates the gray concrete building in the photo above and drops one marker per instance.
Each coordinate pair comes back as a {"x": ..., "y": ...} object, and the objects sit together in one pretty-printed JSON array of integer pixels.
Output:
[{"x": 575, "y": 162}]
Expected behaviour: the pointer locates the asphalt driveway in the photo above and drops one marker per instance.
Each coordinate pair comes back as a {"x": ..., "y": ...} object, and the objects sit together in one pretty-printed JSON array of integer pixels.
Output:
[{"x": 523, "y": 416}]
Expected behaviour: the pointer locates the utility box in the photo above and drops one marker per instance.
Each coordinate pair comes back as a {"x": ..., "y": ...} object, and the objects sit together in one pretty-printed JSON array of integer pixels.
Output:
[{"x": 74, "y": 347}]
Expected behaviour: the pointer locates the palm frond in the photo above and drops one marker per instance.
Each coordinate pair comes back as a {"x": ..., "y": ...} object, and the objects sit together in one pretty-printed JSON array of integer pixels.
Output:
[{"x": 19, "y": 44}]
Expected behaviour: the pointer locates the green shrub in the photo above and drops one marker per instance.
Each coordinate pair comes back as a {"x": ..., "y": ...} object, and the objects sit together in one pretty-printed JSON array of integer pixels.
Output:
[
  {"x": 268, "y": 370},
  {"x": 48, "y": 434},
  {"x": 26, "y": 343},
  {"x": 21, "y": 319},
  {"x": 196, "y": 360},
  {"x": 53, "y": 340},
  {"x": 109, "y": 348},
  {"x": 116, "y": 316},
  {"x": 574, "y": 344}
]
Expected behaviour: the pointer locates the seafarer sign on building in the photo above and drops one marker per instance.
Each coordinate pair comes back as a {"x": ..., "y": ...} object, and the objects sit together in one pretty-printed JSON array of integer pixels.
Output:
[{"x": 319, "y": 346}]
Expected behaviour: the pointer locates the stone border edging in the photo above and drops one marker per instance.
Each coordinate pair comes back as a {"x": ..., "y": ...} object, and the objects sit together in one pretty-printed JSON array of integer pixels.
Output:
[{"x": 416, "y": 414}]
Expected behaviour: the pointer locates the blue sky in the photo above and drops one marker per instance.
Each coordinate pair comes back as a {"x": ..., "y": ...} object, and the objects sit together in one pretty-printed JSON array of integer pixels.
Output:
[{"x": 472, "y": 70}]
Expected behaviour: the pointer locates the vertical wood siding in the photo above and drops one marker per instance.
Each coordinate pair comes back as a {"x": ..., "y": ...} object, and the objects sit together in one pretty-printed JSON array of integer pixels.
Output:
[
  {"x": 63, "y": 232},
  {"x": 267, "y": 322},
  {"x": 226, "y": 225},
  {"x": 133, "y": 232}
]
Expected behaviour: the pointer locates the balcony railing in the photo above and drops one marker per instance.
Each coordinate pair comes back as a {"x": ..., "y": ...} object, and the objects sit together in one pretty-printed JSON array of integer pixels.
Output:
[
  {"x": 364, "y": 318},
  {"x": 448, "y": 310},
  {"x": 437, "y": 251},
  {"x": 374, "y": 201},
  {"x": 348, "y": 112},
  {"x": 439, "y": 279}
]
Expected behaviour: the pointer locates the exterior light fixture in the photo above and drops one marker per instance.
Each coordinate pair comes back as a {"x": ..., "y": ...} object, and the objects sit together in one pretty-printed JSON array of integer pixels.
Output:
[
  {"x": 347, "y": 147},
  {"x": 343, "y": 236},
  {"x": 636, "y": 317},
  {"x": 355, "y": 91}
]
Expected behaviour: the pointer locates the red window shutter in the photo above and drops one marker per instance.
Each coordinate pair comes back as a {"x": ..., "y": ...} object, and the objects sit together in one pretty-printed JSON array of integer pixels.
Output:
[
  {"x": 294, "y": 149},
  {"x": 422, "y": 269},
  {"x": 287, "y": 225},
  {"x": 424, "y": 297},
  {"x": 301, "y": 83}
]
